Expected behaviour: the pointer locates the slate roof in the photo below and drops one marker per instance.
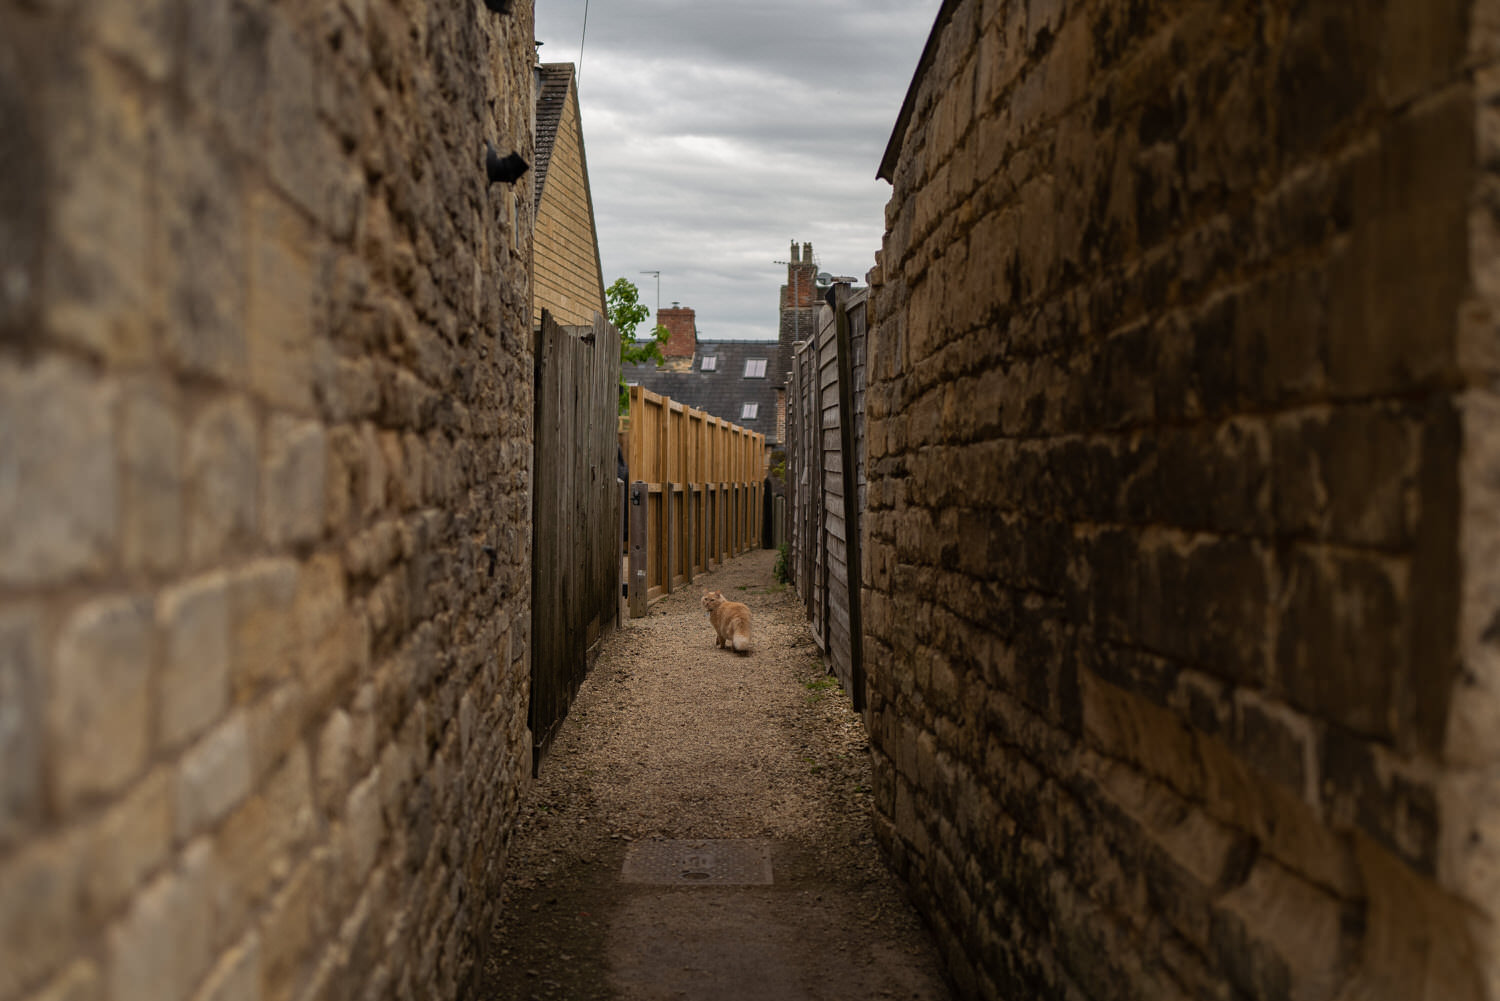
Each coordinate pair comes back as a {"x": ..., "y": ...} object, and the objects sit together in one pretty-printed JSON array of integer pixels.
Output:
[
  {"x": 552, "y": 95},
  {"x": 724, "y": 390}
]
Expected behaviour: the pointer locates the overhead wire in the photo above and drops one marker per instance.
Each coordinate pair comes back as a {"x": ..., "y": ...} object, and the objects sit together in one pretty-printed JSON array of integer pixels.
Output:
[{"x": 583, "y": 35}]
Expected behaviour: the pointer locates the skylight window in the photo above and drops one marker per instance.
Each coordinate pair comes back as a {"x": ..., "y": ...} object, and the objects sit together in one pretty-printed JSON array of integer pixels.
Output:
[
  {"x": 710, "y": 363},
  {"x": 749, "y": 411},
  {"x": 755, "y": 368}
]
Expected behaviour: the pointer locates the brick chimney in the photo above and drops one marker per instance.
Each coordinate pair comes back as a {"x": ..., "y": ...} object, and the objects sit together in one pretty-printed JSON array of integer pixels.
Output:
[
  {"x": 801, "y": 288},
  {"x": 683, "y": 340},
  {"x": 799, "y": 305}
]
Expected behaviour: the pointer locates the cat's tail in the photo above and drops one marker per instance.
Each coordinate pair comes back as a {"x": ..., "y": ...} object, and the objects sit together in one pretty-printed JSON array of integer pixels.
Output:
[{"x": 741, "y": 639}]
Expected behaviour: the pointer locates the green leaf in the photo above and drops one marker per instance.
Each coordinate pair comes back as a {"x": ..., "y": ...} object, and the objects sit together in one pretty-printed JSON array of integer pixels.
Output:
[{"x": 626, "y": 312}]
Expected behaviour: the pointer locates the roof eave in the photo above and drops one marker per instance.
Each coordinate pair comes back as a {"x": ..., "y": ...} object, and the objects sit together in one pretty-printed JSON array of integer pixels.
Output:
[{"x": 887, "y": 171}]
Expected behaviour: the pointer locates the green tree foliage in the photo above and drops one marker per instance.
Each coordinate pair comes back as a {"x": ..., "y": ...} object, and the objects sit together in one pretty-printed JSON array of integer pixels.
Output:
[{"x": 626, "y": 312}]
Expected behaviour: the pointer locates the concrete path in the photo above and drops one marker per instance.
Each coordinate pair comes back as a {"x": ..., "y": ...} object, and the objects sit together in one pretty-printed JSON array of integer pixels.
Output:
[{"x": 700, "y": 829}]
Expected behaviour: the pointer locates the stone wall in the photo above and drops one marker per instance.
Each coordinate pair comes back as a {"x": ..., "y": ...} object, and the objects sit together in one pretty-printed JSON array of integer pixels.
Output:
[
  {"x": 265, "y": 395},
  {"x": 1181, "y": 567}
]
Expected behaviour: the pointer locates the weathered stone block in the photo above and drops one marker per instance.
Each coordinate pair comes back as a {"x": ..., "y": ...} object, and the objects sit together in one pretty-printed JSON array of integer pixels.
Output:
[
  {"x": 261, "y": 840},
  {"x": 1363, "y": 785},
  {"x": 293, "y": 481},
  {"x": 1267, "y": 956},
  {"x": 236, "y": 976},
  {"x": 262, "y": 623},
  {"x": 335, "y": 758},
  {"x": 161, "y": 948},
  {"x": 24, "y": 235},
  {"x": 152, "y": 481},
  {"x": 97, "y": 264},
  {"x": 1124, "y": 726},
  {"x": 21, "y": 731},
  {"x": 279, "y": 320},
  {"x": 1277, "y": 742},
  {"x": 1473, "y": 725},
  {"x": 39, "y": 914},
  {"x": 204, "y": 228},
  {"x": 296, "y": 921},
  {"x": 1340, "y": 649},
  {"x": 193, "y": 685},
  {"x": 1395, "y": 289},
  {"x": 59, "y": 483},
  {"x": 1345, "y": 473},
  {"x": 1422, "y": 46},
  {"x": 300, "y": 152},
  {"x": 99, "y": 700},
  {"x": 363, "y": 833},
  {"x": 141, "y": 32},
  {"x": 129, "y": 843},
  {"x": 79, "y": 982},
  {"x": 222, "y": 467},
  {"x": 214, "y": 777},
  {"x": 225, "y": 68},
  {"x": 275, "y": 725}
]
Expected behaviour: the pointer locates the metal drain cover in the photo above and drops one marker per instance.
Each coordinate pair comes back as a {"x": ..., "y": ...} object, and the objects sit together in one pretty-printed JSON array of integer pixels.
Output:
[{"x": 698, "y": 863}]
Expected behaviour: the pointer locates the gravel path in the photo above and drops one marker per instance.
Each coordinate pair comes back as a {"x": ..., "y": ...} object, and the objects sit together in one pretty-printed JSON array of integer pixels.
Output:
[{"x": 672, "y": 738}]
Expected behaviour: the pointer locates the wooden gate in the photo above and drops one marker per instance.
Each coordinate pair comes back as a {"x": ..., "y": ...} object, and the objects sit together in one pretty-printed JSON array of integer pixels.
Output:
[
  {"x": 826, "y": 472},
  {"x": 575, "y": 566}
]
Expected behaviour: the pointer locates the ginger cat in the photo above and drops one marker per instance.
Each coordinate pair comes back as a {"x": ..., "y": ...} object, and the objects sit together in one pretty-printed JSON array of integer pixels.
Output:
[{"x": 731, "y": 620}]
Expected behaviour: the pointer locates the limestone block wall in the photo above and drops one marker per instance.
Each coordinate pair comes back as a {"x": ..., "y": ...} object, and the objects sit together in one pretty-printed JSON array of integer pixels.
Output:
[
  {"x": 265, "y": 394},
  {"x": 1180, "y": 566}
]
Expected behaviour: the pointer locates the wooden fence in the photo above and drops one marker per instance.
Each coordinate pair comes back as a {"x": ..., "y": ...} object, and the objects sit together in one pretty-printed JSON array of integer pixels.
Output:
[
  {"x": 826, "y": 481},
  {"x": 698, "y": 485},
  {"x": 575, "y": 567}
]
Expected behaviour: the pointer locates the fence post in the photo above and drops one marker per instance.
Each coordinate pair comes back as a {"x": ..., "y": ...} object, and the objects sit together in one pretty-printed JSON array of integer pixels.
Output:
[
  {"x": 852, "y": 566},
  {"x": 668, "y": 533},
  {"x": 689, "y": 536},
  {"x": 639, "y": 497}
]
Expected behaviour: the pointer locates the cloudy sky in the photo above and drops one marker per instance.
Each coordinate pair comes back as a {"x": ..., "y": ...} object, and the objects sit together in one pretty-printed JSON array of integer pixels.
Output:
[{"x": 718, "y": 131}]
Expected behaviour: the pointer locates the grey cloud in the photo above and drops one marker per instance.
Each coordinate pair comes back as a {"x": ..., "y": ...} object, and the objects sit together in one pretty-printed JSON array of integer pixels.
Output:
[{"x": 717, "y": 132}]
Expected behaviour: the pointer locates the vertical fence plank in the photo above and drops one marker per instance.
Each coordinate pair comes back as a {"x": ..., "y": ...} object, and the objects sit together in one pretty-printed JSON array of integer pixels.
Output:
[
  {"x": 640, "y": 504},
  {"x": 855, "y": 666}
]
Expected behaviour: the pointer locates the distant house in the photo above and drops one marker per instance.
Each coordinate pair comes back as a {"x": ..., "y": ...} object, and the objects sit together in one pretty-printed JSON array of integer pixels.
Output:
[
  {"x": 740, "y": 381},
  {"x": 568, "y": 280},
  {"x": 735, "y": 380}
]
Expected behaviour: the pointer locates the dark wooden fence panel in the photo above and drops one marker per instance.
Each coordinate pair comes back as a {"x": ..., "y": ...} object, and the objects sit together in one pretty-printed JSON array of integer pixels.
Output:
[
  {"x": 825, "y": 436},
  {"x": 575, "y": 583}
]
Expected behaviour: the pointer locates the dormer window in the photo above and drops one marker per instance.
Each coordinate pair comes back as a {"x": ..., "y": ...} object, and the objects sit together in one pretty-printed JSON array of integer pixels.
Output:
[
  {"x": 710, "y": 363},
  {"x": 749, "y": 411},
  {"x": 755, "y": 368}
]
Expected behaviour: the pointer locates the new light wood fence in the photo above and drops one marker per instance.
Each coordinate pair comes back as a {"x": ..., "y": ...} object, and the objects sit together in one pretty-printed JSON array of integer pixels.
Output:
[
  {"x": 575, "y": 577},
  {"x": 698, "y": 485},
  {"x": 826, "y": 481}
]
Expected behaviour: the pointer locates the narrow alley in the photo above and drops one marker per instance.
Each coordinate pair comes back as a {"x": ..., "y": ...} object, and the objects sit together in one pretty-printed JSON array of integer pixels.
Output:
[
  {"x": 1134, "y": 447},
  {"x": 675, "y": 744}
]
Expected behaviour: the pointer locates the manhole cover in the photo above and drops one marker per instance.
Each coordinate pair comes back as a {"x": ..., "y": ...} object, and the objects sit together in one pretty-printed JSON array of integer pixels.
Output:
[{"x": 698, "y": 863}]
